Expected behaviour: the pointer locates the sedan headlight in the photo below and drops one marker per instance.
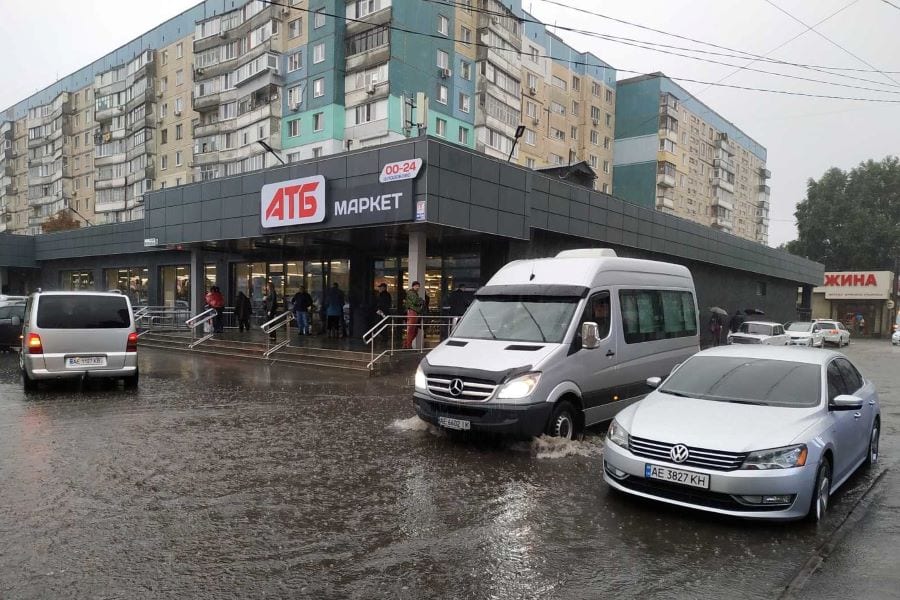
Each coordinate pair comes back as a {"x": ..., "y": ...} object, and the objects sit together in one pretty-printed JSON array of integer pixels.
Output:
[
  {"x": 617, "y": 434},
  {"x": 776, "y": 458},
  {"x": 421, "y": 381},
  {"x": 520, "y": 387}
]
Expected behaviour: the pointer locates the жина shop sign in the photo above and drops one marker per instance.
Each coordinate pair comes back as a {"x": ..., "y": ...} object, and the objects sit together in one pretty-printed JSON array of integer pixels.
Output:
[{"x": 857, "y": 285}]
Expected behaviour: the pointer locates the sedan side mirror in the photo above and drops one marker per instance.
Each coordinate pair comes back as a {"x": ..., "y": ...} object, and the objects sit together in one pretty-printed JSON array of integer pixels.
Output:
[
  {"x": 654, "y": 382},
  {"x": 846, "y": 402},
  {"x": 590, "y": 335}
]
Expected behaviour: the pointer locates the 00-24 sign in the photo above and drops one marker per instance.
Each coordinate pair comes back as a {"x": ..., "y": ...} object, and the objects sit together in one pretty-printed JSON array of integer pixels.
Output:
[{"x": 397, "y": 171}]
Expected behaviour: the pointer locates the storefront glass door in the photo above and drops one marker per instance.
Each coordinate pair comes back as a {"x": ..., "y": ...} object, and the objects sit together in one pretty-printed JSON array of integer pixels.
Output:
[{"x": 176, "y": 286}]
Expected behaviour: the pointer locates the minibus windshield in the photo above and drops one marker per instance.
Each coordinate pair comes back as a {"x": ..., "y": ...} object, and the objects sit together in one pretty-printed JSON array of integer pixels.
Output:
[{"x": 518, "y": 319}]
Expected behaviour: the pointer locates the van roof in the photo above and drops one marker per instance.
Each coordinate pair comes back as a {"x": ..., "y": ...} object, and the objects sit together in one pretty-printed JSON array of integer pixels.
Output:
[
  {"x": 581, "y": 271},
  {"x": 79, "y": 293}
]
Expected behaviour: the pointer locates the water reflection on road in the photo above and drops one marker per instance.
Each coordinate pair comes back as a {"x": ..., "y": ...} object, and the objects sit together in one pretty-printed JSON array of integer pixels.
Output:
[{"x": 233, "y": 480}]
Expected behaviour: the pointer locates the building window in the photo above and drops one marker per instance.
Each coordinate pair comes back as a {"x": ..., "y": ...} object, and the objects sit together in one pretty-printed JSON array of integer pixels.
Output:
[
  {"x": 594, "y": 162},
  {"x": 760, "y": 288},
  {"x": 179, "y": 105},
  {"x": 178, "y": 158},
  {"x": 294, "y": 128},
  {"x": 164, "y": 162},
  {"x": 560, "y": 83},
  {"x": 557, "y": 134},
  {"x": 317, "y": 152},
  {"x": 294, "y": 96},
  {"x": 368, "y": 40},
  {"x": 443, "y": 25},
  {"x": 529, "y": 162},
  {"x": 319, "y": 18},
  {"x": 366, "y": 113},
  {"x": 318, "y": 121},
  {"x": 609, "y": 96},
  {"x": 363, "y": 8},
  {"x": 164, "y": 136},
  {"x": 608, "y": 120},
  {"x": 178, "y": 130},
  {"x": 463, "y": 137},
  {"x": 179, "y": 76},
  {"x": 464, "y": 102},
  {"x": 465, "y": 70},
  {"x": 319, "y": 53},
  {"x": 595, "y": 137},
  {"x": 442, "y": 94},
  {"x": 573, "y": 133},
  {"x": 165, "y": 57},
  {"x": 556, "y": 159},
  {"x": 606, "y": 142},
  {"x": 576, "y": 84},
  {"x": 295, "y": 61},
  {"x": 443, "y": 59},
  {"x": 164, "y": 110},
  {"x": 294, "y": 28},
  {"x": 606, "y": 166},
  {"x": 179, "y": 50},
  {"x": 605, "y": 188},
  {"x": 574, "y": 108},
  {"x": 558, "y": 108},
  {"x": 319, "y": 87},
  {"x": 441, "y": 128},
  {"x": 532, "y": 81},
  {"x": 530, "y": 137},
  {"x": 465, "y": 34}
]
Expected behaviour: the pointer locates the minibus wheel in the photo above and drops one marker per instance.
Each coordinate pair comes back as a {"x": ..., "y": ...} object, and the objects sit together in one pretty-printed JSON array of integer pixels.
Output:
[{"x": 563, "y": 422}]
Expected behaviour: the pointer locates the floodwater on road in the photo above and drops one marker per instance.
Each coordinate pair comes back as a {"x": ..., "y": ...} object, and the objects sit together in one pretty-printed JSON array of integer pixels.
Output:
[{"x": 228, "y": 479}]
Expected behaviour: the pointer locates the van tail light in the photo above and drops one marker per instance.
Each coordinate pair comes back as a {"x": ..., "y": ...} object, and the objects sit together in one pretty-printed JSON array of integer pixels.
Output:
[
  {"x": 34, "y": 344},
  {"x": 132, "y": 342}
]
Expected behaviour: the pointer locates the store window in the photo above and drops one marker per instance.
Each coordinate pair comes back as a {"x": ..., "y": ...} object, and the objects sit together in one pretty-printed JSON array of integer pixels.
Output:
[
  {"x": 175, "y": 286},
  {"x": 131, "y": 281},
  {"x": 76, "y": 280}
]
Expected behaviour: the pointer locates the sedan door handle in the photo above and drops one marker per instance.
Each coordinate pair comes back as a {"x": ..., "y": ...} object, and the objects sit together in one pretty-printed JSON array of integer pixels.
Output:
[
  {"x": 610, "y": 353},
  {"x": 871, "y": 403},
  {"x": 857, "y": 415}
]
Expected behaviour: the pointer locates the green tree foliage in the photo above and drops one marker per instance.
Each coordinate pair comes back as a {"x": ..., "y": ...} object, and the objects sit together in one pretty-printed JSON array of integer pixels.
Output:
[{"x": 851, "y": 220}]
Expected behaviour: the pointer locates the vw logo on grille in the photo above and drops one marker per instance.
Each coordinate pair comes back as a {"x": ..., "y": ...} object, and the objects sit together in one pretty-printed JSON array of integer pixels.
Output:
[
  {"x": 456, "y": 387},
  {"x": 679, "y": 453}
]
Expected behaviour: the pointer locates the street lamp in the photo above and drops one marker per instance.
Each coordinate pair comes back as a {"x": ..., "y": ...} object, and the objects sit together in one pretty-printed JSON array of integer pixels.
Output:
[
  {"x": 271, "y": 150},
  {"x": 520, "y": 131}
]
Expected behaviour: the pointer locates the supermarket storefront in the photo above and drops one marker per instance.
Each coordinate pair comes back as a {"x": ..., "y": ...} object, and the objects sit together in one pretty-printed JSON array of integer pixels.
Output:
[{"x": 861, "y": 300}]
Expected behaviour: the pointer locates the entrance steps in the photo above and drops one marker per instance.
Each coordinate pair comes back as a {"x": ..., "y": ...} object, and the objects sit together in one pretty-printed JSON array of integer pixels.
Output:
[{"x": 306, "y": 354}]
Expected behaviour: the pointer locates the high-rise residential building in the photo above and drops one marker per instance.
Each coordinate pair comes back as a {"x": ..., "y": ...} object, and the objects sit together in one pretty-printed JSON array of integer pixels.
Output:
[
  {"x": 193, "y": 98},
  {"x": 677, "y": 155}
]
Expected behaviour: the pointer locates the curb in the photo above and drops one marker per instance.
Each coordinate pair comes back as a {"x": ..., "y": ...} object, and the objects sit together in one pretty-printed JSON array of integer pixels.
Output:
[{"x": 827, "y": 547}]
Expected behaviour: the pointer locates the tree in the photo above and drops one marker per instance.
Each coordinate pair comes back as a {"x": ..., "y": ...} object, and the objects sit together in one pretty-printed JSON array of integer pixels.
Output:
[
  {"x": 850, "y": 221},
  {"x": 61, "y": 221}
]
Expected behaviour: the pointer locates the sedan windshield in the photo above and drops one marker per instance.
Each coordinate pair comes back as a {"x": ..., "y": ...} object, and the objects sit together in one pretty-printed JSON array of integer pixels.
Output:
[
  {"x": 800, "y": 326},
  {"x": 747, "y": 381},
  {"x": 756, "y": 328},
  {"x": 519, "y": 319}
]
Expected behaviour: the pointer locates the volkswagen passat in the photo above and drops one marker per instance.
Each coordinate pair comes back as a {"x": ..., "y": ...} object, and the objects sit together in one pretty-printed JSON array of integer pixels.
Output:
[{"x": 750, "y": 431}]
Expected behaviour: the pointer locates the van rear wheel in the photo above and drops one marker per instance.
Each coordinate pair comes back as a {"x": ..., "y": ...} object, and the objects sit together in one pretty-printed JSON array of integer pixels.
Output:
[
  {"x": 28, "y": 384},
  {"x": 131, "y": 382},
  {"x": 563, "y": 422}
]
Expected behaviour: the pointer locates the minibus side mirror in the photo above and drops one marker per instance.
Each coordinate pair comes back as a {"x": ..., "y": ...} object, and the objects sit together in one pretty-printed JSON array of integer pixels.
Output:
[{"x": 590, "y": 335}]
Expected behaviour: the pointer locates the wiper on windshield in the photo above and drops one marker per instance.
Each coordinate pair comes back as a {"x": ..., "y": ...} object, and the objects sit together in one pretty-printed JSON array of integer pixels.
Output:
[
  {"x": 751, "y": 402},
  {"x": 486, "y": 324},
  {"x": 676, "y": 393},
  {"x": 536, "y": 324}
]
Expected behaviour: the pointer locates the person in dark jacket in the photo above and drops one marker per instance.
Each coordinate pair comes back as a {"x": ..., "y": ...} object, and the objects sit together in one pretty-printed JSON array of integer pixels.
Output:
[
  {"x": 736, "y": 321},
  {"x": 302, "y": 303},
  {"x": 271, "y": 305},
  {"x": 383, "y": 302},
  {"x": 242, "y": 311},
  {"x": 334, "y": 310},
  {"x": 458, "y": 302}
]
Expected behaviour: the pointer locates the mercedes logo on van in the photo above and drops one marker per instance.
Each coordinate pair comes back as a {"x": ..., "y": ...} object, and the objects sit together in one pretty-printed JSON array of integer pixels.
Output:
[
  {"x": 456, "y": 387},
  {"x": 679, "y": 453}
]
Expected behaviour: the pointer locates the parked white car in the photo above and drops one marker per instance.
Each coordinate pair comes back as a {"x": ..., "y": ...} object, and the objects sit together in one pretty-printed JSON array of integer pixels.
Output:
[
  {"x": 895, "y": 337},
  {"x": 748, "y": 431},
  {"x": 760, "y": 332},
  {"x": 835, "y": 332},
  {"x": 805, "y": 333}
]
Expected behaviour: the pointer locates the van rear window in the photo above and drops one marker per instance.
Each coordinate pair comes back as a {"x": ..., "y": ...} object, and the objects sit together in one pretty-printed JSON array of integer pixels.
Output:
[{"x": 83, "y": 312}]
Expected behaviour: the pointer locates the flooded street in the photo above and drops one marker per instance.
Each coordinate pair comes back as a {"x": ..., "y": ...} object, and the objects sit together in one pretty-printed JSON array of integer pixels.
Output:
[{"x": 226, "y": 479}]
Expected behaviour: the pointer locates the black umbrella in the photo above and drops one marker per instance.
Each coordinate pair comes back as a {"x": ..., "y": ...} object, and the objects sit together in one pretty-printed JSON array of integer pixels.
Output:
[{"x": 753, "y": 311}]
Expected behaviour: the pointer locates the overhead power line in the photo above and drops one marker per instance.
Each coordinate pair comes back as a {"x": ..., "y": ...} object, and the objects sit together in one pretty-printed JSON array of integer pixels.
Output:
[
  {"x": 583, "y": 63},
  {"x": 891, "y": 4}
]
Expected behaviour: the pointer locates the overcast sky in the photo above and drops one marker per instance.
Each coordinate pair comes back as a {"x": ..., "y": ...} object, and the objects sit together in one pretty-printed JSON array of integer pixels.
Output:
[{"x": 804, "y": 136}]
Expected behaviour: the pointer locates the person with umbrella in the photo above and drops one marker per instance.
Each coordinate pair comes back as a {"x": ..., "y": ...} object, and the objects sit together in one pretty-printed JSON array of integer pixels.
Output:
[
  {"x": 736, "y": 321},
  {"x": 715, "y": 324}
]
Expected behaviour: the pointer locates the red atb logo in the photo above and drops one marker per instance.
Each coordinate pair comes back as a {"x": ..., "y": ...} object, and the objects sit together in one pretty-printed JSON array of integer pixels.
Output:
[{"x": 294, "y": 202}]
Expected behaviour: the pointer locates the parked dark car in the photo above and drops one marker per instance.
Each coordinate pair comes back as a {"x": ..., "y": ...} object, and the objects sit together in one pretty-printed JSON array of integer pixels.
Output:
[{"x": 11, "y": 317}]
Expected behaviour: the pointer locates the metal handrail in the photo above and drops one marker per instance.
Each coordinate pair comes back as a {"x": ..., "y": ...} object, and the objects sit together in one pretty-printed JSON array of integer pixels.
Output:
[
  {"x": 273, "y": 325},
  {"x": 393, "y": 322},
  {"x": 205, "y": 317}
]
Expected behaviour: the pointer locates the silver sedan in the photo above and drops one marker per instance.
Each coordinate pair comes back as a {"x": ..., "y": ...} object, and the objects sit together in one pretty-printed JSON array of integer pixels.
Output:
[{"x": 751, "y": 431}]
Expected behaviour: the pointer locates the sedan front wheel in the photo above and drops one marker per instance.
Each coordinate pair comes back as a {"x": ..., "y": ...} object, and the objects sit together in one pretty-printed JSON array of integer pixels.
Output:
[{"x": 821, "y": 493}]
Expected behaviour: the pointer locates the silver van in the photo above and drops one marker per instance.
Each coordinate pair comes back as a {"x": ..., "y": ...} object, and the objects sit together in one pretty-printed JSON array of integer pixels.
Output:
[
  {"x": 554, "y": 345},
  {"x": 78, "y": 334}
]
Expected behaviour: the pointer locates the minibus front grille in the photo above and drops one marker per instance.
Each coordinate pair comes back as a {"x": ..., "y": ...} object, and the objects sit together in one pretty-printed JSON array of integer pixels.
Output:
[{"x": 460, "y": 388}]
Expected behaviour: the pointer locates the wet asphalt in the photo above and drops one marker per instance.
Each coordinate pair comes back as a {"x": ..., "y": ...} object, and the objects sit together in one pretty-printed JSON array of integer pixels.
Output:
[{"x": 226, "y": 479}]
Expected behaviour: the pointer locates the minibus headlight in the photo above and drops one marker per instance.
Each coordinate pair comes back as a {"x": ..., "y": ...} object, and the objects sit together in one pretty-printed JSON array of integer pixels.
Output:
[
  {"x": 421, "y": 380},
  {"x": 519, "y": 387}
]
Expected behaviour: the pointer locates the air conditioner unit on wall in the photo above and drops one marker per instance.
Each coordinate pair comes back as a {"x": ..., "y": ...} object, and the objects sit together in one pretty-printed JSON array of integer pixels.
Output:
[
  {"x": 595, "y": 122},
  {"x": 532, "y": 91},
  {"x": 370, "y": 89},
  {"x": 285, "y": 10},
  {"x": 295, "y": 106},
  {"x": 446, "y": 73}
]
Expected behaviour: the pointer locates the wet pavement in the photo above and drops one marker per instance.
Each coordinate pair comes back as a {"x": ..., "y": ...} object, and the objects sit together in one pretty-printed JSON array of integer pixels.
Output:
[{"x": 227, "y": 479}]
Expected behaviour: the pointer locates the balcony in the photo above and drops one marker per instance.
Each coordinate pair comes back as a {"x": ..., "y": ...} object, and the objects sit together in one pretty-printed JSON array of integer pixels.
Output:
[
  {"x": 764, "y": 173},
  {"x": 112, "y": 159},
  {"x": 106, "y": 114},
  {"x": 11, "y": 189},
  {"x": 105, "y": 184},
  {"x": 723, "y": 183},
  {"x": 669, "y": 133},
  {"x": 764, "y": 189},
  {"x": 379, "y": 17},
  {"x": 9, "y": 170},
  {"x": 236, "y": 32},
  {"x": 722, "y": 223},
  {"x": 724, "y": 164},
  {"x": 724, "y": 144},
  {"x": 726, "y": 203},
  {"x": 665, "y": 199},
  {"x": 145, "y": 98},
  {"x": 665, "y": 180},
  {"x": 109, "y": 206},
  {"x": 369, "y": 59}
]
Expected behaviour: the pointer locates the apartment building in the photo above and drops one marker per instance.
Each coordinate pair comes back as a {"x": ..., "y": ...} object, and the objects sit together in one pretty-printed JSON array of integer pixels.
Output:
[
  {"x": 679, "y": 156},
  {"x": 206, "y": 94}
]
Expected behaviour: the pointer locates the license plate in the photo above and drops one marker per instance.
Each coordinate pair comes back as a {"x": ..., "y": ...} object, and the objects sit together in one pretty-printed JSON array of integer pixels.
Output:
[
  {"x": 454, "y": 423},
  {"x": 74, "y": 362},
  {"x": 689, "y": 478}
]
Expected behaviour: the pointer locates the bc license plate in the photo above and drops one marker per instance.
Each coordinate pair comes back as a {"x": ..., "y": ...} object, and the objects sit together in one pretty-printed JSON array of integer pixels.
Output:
[
  {"x": 697, "y": 480},
  {"x": 74, "y": 362},
  {"x": 454, "y": 423}
]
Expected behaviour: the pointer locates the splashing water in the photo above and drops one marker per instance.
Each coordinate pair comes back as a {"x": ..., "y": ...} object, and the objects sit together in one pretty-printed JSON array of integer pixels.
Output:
[
  {"x": 414, "y": 423},
  {"x": 546, "y": 447}
]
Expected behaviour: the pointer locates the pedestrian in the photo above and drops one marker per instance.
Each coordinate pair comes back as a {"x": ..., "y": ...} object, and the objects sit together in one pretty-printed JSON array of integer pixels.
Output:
[
  {"x": 458, "y": 302},
  {"x": 861, "y": 325},
  {"x": 216, "y": 301},
  {"x": 242, "y": 311},
  {"x": 415, "y": 307},
  {"x": 302, "y": 303},
  {"x": 715, "y": 328},
  {"x": 383, "y": 301},
  {"x": 736, "y": 321},
  {"x": 334, "y": 310},
  {"x": 270, "y": 302}
]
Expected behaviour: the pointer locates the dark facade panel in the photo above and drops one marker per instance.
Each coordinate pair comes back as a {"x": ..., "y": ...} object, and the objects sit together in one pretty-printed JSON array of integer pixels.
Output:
[{"x": 17, "y": 250}]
